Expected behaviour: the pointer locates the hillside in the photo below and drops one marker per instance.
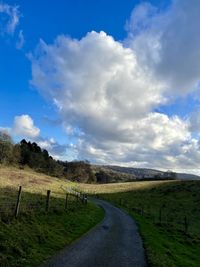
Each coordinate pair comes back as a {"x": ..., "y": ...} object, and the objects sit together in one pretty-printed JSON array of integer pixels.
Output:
[
  {"x": 30, "y": 154},
  {"x": 111, "y": 174},
  {"x": 45, "y": 230},
  {"x": 187, "y": 176},
  {"x": 31, "y": 181}
]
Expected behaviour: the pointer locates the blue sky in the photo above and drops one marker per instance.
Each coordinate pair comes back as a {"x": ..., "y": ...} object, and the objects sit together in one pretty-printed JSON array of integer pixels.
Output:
[
  {"x": 84, "y": 79},
  {"x": 47, "y": 19}
]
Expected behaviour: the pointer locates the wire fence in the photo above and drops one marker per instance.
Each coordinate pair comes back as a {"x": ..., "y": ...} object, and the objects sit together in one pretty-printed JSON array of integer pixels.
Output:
[
  {"x": 15, "y": 203},
  {"x": 161, "y": 216}
]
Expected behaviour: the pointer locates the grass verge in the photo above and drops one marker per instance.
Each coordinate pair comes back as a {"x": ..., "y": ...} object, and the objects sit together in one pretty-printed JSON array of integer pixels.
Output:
[
  {"x": 35, "y": 236},
  {"x": 160, "y": 212}
]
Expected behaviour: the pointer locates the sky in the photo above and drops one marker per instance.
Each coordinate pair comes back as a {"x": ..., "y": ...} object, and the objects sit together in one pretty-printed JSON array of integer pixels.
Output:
[{"x": 113, "y": 82}]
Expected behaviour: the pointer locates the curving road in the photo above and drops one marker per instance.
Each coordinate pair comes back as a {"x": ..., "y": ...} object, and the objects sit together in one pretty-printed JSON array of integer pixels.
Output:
[{"x": 114, "y": 242}]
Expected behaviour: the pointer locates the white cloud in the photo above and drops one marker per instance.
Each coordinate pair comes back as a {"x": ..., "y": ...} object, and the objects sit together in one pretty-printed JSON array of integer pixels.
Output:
[
  {"x": 95, "y": 80},
  {"x": 21, "y": 40},
  {"x": 194, "y": 121},
  {"x": 9, "y": 18},
  {"x": 106, "y": 91},
  {"x": 154, "y": 141},
  {"x": 168, "y": 42},
  {"x": 58, "y": 151},
  {"x": 24, "y": 127}
]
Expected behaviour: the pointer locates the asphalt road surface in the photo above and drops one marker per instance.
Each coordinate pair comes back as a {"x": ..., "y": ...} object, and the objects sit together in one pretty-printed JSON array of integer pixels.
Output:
[{"x": 115, "y": 242}]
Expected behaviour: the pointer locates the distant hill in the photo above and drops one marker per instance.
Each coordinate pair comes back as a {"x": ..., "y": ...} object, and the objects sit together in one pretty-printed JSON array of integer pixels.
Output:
[
  {"x": 109, "y": 174},
  {"x": 187, "y": 176}
]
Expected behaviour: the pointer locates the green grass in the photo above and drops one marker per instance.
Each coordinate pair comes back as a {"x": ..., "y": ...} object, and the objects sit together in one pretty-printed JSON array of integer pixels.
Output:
[
  {"x": 35, "y": 236},
  {"x": 166, "y": 241}
]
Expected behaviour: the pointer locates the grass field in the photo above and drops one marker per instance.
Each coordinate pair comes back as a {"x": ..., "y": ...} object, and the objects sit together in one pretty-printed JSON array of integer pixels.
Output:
[
  {"x": 119, "y": 187},
  {"x": 168, "y": 214},
  {"x": 35, "y": 235},
  {"x": 31, "y": 181}
]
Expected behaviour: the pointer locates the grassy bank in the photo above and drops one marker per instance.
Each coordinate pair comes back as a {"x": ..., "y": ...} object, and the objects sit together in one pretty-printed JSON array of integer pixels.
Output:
[
  {"x": 168, "y": 215},
  {"x": 37, "y": 235}
]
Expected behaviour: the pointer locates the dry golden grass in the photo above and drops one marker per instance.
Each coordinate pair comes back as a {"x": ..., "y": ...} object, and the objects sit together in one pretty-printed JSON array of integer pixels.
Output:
[
  {"x": 118, "y": 187},
  {"x": 31, "y": 181},
  {"x": 34, "y": 182}
]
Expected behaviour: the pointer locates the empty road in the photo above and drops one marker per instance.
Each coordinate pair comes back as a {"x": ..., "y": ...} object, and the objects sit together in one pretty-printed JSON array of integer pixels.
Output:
[{"x": 115, "y": 242}]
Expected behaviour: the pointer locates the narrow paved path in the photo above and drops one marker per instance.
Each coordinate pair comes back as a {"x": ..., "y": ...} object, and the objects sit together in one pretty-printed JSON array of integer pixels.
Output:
[{"x": 114, "y": 242}]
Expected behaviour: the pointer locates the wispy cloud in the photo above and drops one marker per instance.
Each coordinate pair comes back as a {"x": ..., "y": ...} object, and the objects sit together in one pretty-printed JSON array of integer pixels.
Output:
[
  {"x": 21, "y": 40},
  {"x": 9, "y": 21},
  {"x": 10, "y": 16}
]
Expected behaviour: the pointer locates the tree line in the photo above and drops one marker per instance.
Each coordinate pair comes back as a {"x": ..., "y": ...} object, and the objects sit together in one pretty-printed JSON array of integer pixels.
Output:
[
  {"x": 27, "y": 153},
  {"x": 30, "y": 154}
]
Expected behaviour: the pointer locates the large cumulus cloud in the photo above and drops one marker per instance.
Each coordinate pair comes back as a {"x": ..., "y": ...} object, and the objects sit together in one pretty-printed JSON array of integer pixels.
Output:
[{"x": 107, "y": 91}]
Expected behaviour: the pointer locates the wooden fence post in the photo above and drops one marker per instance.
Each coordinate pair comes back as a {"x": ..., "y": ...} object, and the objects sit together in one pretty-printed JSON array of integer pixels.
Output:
[
  {"x": 66, "y": 201},
  {"x": 18, "y": 202},
  {"x": 48, "y": 200}
]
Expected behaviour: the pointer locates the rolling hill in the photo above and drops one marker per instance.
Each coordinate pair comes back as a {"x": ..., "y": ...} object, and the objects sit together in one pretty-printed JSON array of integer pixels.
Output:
[{"x": 110, "y": 174}]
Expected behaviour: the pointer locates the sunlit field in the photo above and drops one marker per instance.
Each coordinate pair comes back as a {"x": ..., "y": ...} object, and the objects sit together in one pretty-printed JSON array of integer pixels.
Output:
[
  {"x": 32, "y": 181},
  {"x": 119, "y": 187},
  {"x": 37, "y": 233}
]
